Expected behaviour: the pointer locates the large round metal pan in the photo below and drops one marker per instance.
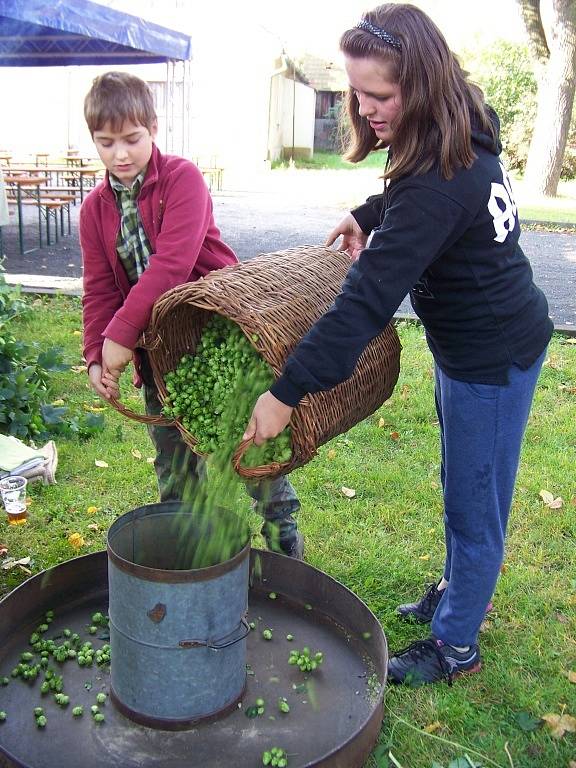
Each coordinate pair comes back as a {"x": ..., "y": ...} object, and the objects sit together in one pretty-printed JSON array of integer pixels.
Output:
[{"x": 335, "y": 712}]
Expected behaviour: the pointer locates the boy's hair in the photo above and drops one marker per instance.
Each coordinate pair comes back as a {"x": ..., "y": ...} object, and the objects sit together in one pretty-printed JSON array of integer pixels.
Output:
[
  {"x": 438, "y": 102},
  {"x": 117, "y": 97}
]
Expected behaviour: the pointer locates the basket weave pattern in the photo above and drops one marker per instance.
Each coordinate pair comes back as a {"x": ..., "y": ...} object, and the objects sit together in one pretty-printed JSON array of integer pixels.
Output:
[{"x": 277, "y": 296}]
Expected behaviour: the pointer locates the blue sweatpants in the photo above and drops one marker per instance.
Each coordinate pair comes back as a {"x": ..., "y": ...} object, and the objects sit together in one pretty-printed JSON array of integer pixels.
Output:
[{"x": 481, "y": 431}]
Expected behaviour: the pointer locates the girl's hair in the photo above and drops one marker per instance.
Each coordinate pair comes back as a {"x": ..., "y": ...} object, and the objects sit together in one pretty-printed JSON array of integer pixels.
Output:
[
  {"x": 117, "y": 97},
  {"x": 438, "y": 102}
]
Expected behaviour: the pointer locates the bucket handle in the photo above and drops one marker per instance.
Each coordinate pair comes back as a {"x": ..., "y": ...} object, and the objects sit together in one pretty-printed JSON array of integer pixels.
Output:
[{"x": 218, "y": 645}]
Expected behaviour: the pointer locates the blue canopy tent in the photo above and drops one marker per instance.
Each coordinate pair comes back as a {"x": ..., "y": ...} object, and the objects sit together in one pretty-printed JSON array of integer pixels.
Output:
[
  {"x": 53, "y": 33},
  {"x": 49, "y": 33}
]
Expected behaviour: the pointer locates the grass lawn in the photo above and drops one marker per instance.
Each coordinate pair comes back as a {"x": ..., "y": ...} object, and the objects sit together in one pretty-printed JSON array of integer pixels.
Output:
[
  {"x": 322, "y": 161},
  {"x": 384, "y": 544}
]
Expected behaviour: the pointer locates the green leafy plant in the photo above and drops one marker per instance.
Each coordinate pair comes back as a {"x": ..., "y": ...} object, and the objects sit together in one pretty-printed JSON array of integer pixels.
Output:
[{"x": 25, "y": 376}]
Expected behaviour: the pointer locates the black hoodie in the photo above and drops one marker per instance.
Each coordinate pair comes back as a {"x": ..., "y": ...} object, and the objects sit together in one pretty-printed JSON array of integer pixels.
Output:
[{"x": 453, "y": 245}]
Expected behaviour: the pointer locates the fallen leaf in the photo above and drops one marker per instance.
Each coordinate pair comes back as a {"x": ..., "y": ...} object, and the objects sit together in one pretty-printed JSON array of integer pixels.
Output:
[
  {"x": 59, "y": 402},
  {"x": 94, "y": 408},
  {"x": 432, "y": 727},
  {"x": 11, "y": 562},
  {"x": 571, "y": 676},
  {"x": 560, "y": 724},
  {"x": 150, "y": 459},
  {"x": 571, "y": 340},
  {"x": 76, "y": 540},
  {"x": 552, "y": 362},
  {"x": 434, "y": 485},
  {"x": 424, "y": 557},
  {"x": 404, "y": 392},
  {"x": 78, "y": 368},
  {"x": 91, "y": 510},
  {"x": 572, "y": 764},
  {"x": 566, "y": 388},
  {"x": 485, "y": 626},
  {"x": 136, "y": 453},
  {"x": 526, "y": 721},
  {"x": 381, "y": 422},
  {"x": 100, "y": 463},
  {"x": 94, "y": 527},
  {"x": 550, "y": 501},
  {"x": 77, "y": 333},
  {"x": 37, "y": 303},
  {"x": 561, "y": 617},
  {"x": 395, "y": 435},
  {"x": 3, "y": 550},
  {"x": 348, "y": 492},
  {"x": 331, "y": 454}
]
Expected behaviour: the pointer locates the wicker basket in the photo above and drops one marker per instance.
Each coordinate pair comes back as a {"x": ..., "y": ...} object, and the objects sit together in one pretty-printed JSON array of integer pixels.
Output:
[{"x": 277, "y": 296}]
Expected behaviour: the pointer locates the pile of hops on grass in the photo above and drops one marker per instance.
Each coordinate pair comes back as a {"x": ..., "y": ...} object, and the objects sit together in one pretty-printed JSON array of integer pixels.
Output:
[{"x": 212, "y": 393}]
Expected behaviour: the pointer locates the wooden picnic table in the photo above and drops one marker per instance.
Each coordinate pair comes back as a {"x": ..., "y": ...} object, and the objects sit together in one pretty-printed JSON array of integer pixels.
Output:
[
  {"x": 76, "y": 176},
  {"x": 22, "y": 182}
]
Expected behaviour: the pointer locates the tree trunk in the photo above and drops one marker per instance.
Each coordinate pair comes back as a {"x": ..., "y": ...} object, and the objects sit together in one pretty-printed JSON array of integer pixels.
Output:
[{"x": 555, "y": 97}]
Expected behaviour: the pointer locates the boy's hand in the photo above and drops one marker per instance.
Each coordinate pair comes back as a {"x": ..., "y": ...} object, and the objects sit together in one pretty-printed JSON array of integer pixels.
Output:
[
  {"x": 95, "y": 378},
  {"x": 353, "y": 239},
  {"x": 268, "y": 419},
  {"x": 115, "y": 358}
]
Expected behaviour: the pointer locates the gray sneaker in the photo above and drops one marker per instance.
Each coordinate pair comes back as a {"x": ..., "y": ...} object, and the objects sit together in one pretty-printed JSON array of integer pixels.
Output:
[{"x": 423, "y": 610}]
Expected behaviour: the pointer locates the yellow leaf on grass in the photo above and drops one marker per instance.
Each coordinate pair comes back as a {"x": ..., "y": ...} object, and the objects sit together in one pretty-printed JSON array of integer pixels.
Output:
[
  {"x": 432, "y": 727},
  {"x": 560, "y": 724},
  {"x": 348, "y": 492},
  {"x": 58, "y": 402},
  {"x": 91, "y": 510},
  {"x": 381, "y": 423},
  {"x": 136, "y": 453},
  {"x": 550, "y": 501},
  {"x": 424, "y": 557},
  {"x": 77, "y": 333},
  {"x": 571, "y": 676},
  {"x": 76, "y": 540},
  {"x": 331, "y": 454},
  {"x": 94, "y": 527},
  {"x": 100, "y": 463},
  {"x": 79, "y": 368},
  {"x": 150, "y": 459},
  {"x": 94, "y": 408}
]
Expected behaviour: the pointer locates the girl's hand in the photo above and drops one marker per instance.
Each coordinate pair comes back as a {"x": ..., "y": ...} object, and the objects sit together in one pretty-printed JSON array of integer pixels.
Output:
[
  {"x": 269, "y": 418},
  {"x": 353, "y": 239}
]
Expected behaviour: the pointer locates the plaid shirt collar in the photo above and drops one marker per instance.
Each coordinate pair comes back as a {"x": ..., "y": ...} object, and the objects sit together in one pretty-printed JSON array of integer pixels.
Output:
[{"x": 121, "y": 190}]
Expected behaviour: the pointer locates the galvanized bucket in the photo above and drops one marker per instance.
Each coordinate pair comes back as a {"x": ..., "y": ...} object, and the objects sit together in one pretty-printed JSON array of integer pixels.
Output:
[{"x": 177, "y": 632}]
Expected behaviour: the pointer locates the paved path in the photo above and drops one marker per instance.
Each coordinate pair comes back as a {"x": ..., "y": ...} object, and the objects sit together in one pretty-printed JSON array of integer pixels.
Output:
[{"x": 282, "y": 210}]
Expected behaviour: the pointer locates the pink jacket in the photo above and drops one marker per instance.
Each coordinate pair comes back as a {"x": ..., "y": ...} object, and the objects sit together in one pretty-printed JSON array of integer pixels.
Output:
[{"x": 176, "y": 212}]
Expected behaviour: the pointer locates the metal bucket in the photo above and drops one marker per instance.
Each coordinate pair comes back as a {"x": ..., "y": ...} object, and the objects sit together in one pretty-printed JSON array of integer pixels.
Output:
[{"x": 177, "y": 632}]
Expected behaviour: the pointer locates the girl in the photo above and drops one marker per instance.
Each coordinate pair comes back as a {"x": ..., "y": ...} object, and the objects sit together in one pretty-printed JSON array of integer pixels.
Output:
[{"x": 445, "y": 230}]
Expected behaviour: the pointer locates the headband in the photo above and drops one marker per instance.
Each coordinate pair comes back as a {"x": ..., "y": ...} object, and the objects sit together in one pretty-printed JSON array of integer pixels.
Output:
[{"x": 380, "y": 33}]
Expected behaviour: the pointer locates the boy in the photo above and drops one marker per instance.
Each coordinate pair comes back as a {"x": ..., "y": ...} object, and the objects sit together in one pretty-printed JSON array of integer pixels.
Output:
[{"x": 145, "y": 229}]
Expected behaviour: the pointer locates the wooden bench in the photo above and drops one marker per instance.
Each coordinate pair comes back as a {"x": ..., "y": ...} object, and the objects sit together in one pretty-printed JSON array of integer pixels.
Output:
[{"x": 49, "y": 207}]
